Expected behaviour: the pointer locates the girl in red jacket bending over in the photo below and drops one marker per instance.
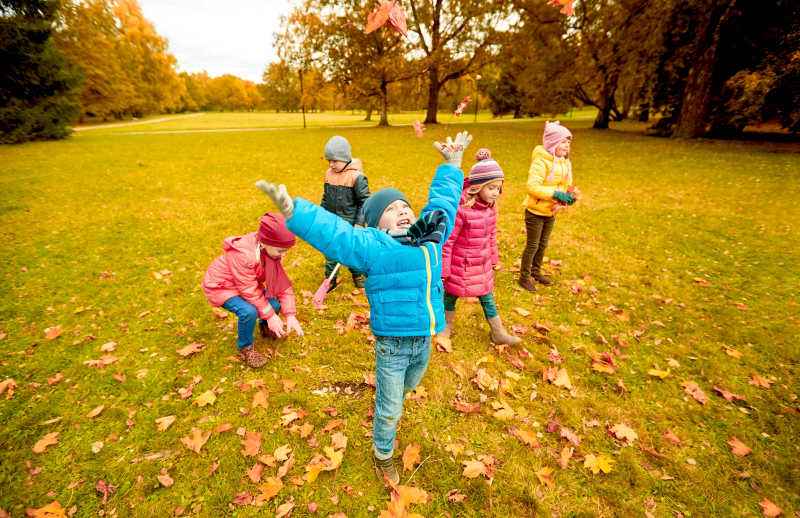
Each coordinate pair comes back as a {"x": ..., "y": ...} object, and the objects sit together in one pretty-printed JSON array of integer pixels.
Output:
[
  {"x": 470, "y": 255},
  {"x": 249, "y": 281}
]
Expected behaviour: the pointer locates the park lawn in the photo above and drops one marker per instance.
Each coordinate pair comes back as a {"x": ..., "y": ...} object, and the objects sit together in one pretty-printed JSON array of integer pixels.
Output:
[
  {"x": 682, "y": 256},
  {"x": 266, "y": 120}
]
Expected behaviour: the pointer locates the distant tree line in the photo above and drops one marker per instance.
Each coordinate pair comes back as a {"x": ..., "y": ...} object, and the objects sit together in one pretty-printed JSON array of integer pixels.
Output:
[{"x": 689, "y": 67}]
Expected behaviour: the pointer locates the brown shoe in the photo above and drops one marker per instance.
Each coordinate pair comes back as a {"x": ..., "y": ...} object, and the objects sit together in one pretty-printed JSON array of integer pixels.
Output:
[
  {"x": 252, "y": 357},
  {"x": 542, "y": 279},
  {"x": 526, "y": 283}
]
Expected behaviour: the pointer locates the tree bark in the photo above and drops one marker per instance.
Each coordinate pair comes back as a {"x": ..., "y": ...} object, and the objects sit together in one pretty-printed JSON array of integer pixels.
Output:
[
  {"x": 433, "y": 95},
  {"x": 693, "y": 117},
  {"x": 384, "y": 104},
  {"x": 368, "y": 118}
]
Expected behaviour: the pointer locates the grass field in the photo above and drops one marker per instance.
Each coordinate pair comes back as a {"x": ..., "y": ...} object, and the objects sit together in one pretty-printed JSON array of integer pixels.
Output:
[{"x": 683, "y": 256}]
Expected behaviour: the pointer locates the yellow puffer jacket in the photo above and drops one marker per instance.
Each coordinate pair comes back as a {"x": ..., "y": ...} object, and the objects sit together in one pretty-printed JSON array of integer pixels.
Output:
[{"x": 547, "y": 175}]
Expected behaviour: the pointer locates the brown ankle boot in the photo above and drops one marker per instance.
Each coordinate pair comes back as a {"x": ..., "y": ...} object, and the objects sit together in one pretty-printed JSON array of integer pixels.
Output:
[
  {"x": 542, "y": 279},
  {"x": 499, "y": 335},
  {"x": 526, "y": 283}
]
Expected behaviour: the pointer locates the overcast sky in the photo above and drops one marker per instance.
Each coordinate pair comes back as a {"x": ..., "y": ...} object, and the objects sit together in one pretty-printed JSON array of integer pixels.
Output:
[{"x": 219, "y": 36}]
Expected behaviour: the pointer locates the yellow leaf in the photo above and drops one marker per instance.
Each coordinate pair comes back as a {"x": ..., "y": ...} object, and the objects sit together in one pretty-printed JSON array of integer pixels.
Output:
[
  {"x": 598, "y": 463},
  {"x": 522, "y": 312},
  {"x": 307, "y": 428},
  {"x": 206, "y": 398},
  {"x": 562, "y": 379},
  {"x": 48, "y": 440},
  {"x": 624, "y": 433},
  {"x": 411, "y": 457},
  {"x": 527, "y": 437},
  {"x": 269, "y": 489},
  {"x": 51, "y": 510},
  {"x": 334, "y": 458},
  {"x": 503, "y": 411},
  {"x": 313, "y": 470},
  {"x": 658, "y": 373},
  {"x": 96, "y": 412},
  {"x": 162, "y": 423}
]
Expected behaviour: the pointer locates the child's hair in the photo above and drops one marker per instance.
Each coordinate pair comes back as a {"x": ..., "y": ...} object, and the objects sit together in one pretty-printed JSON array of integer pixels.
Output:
[{"x": 485, "y": 171}]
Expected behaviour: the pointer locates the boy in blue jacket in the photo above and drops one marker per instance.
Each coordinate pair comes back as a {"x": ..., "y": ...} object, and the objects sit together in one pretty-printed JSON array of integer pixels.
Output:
[{"x": 402, "y": 257}]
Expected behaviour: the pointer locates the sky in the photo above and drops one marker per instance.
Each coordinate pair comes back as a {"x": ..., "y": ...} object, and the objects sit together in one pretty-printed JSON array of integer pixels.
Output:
[{"x": 219, "y": 36}]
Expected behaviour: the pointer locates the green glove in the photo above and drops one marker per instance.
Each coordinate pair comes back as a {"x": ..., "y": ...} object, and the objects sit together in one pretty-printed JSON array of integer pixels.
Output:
[{"x": 564, "y": 197}]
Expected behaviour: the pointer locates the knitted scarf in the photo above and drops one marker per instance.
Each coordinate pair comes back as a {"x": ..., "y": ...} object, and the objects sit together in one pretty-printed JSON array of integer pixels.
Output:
[{"x": 430, "y": 228}]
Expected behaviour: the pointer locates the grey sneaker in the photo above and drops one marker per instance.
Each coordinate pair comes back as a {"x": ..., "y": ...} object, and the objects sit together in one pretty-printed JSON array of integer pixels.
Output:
[{"x": 386, "y": 470}]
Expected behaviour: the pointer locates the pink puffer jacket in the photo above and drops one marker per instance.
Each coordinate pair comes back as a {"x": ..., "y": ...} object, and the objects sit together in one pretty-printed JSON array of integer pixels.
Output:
[{"x": 471, "y": 252}]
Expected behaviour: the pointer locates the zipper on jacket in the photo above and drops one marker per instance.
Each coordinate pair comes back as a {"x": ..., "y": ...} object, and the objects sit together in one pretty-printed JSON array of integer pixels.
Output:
[{"x": 432, "y": 316}]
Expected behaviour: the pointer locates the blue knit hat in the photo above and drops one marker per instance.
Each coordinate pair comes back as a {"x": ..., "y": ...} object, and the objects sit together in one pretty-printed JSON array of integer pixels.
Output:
[
  {"x": 338, "y": 148},
  {"x": 375, "y": 205}
]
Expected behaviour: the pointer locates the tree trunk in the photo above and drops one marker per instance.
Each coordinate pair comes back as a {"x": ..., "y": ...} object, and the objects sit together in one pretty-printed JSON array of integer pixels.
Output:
[
  {"x": 433, "y": 95},
  {"x": 384, "y": 104},
  {"x": 644, "y": 113},
  {"x": 697, "y": 93},
  {"x": 518, "y": 111},
  {"x": 368, "y": 118}
]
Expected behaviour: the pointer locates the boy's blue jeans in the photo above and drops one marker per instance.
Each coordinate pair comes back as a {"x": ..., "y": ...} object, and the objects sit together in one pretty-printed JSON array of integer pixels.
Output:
[
  {"x": 400, "y": 363},
  {"x": 248, "y": 316}
]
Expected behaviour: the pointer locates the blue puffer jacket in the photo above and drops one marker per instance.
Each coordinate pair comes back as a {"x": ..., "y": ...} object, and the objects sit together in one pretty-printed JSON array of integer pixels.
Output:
[{"x": 404, "y": 285}]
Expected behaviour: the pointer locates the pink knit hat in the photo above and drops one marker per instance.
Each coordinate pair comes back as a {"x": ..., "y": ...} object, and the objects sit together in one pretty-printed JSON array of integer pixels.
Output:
[
  {"x": 554, "y": 134},
  {"x": 485, "y": 169},
  {"x": 272, "y": 231}
]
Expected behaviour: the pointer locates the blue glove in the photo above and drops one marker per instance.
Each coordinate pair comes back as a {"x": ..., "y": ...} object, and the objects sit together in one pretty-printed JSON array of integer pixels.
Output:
[{"x": 564, "y": 197}]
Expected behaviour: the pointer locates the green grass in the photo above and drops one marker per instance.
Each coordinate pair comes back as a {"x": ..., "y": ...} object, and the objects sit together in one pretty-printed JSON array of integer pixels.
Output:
[{"x": 656, "y": 215}]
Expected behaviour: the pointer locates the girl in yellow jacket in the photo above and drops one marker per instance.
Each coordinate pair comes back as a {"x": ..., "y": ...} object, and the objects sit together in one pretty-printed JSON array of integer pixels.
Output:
[{"x": 549, "y": 182}]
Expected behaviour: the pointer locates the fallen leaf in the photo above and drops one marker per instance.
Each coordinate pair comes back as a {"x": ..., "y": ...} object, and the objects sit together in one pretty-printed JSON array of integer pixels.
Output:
[
  {"x": 284, "y": 509},
  {"x": 443, "y": 344},
  {"x": 671, "y": 437},
  {"x": 57, "y": 378},
  {"x": 729, "y": 396},
  {"x": 562, "y": 379},
  {"x": 738, "y": 448},
  {"x": 51, "y": 333},
  {"x": 48, "y": 440},
  {"x": 624, "y": 433},
  {"x": 96, "y": 411},
  {"x": 244, "y": 498},
  {"x": 598, "y": 463},
  {"x": 285, "y": 467},
  {"x": 566, "y": 454},
  {"x": 104, "y": 489},
  {"x": 196, "y": 439},
  {"x": 455, "y": 496},
  {"x": 569, "y": 435},
  {"x": 503, "y": 411},
  {"x": 658, "y": 373},
  {"x": 51, "y": 510},
  {"x": 8, "y": 385},
  {"x": 522, "y": 312},
  {"x": 306, "y": 430},
  {"x": 527, "y": 437},
  {"x": 162, "y": 423},
  {"x": 769, "y": 508},
  {"x": 164, "y": 479},
  {"x": 473, "y": 468},
  {"x": 260, "y": 399},
  {"x": 733, "y": 353},
  {"x": 206, "y": 398},
  {"x": 254, "y": 473},
  {"x": 269, "y": 489},
  {"x": 190, "y": 349},
  {"x": 282, "y": 452},
  {"x": 339, "y": 441},
  {"x": 691, "y": 388},
  {"x": 411, "y": 457},
  {"x": 545, "y": 476},
  {"x": 251, "y": 443},
  {"x": 759, "y": 381},
  {"x": 108, "y": 347},
  {"x": 466, "y": 408}
]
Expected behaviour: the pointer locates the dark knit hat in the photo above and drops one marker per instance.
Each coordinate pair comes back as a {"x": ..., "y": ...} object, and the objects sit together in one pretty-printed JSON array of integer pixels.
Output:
[
  {"x": 338, "y": 148},
  {"x": 272, "y": 231},
  {"x": 375, "y": 205},
  {"x": 485, "y": 170}
]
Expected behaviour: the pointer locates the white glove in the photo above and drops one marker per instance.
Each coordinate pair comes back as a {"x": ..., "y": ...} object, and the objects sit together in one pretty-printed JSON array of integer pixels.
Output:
[
  {"x": 453, "y": 150},
  {"x": 292, "y": 324},
  {"x": 279, "y": 196}
]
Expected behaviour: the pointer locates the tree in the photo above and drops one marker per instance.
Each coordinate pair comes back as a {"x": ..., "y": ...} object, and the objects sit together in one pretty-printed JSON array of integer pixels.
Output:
[
  {"x": 457, "y": 37},
  {"x": 280, "y": 87},
  {"x": 37, "y": 86}
]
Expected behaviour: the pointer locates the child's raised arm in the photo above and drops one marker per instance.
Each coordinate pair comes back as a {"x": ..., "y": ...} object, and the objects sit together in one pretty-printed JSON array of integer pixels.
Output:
[
  {"x": 325, "y": 231},
  {"x": 445, "y": 191}
]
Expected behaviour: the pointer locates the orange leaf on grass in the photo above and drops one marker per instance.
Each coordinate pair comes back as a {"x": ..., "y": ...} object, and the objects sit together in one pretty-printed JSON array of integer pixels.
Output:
[
  {"x": 769, "y": 509},
  {"x": 196, "y": 439},
  {"x": 164, "y": 479},
  {"x": 473, "y": 468},
  {"x": 624, "y": 433},
  {"x": 51, "y": 333},
  {"x": 729, "y": 396},
  {"x": 527, "y": 437},
  {"x": 254, "y": 473},
  {"x": 694, "y": 390},
  {"x": 284, "y": 509},
  {"x": 251, "y": 443},
  {"x": 96, "y": 411},
  {"x": 671, "y": 437},
  {"x": 8, "y": 385},
  {"x": 411, "y": 457},
  {"x": 51, "y": 510},
  {"x": 48, "y": 440},
  {"x": 339, "y": 441},
  {"x": 466, "y": 408},
  {"x": 760, "y": 381},
  {"x": 738, "y": 448},
  {"x": 260, "y": 399},
  {"x": 545, "y": 476},
  {"x": 162, "y": 423},
  {"x": 190, "y": 349},
  {"x": 269, "y": 489},
  {"x": 522, "y": 312}
]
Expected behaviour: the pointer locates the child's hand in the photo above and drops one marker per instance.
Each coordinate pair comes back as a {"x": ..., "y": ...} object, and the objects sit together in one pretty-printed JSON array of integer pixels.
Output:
[
  {"x": 292, "y": 324},
  {"x": 564, "y": 197},
  {"x": 279, "y": 196},
  {"x": 275, "y": 324},
  {"x": 453, "y": 150}
]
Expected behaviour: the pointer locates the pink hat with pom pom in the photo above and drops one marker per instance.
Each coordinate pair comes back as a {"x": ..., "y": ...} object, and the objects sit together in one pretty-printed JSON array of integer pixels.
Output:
[
  {"x": 554, "y": 134},
  {"x": 485, "y": 169}
]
